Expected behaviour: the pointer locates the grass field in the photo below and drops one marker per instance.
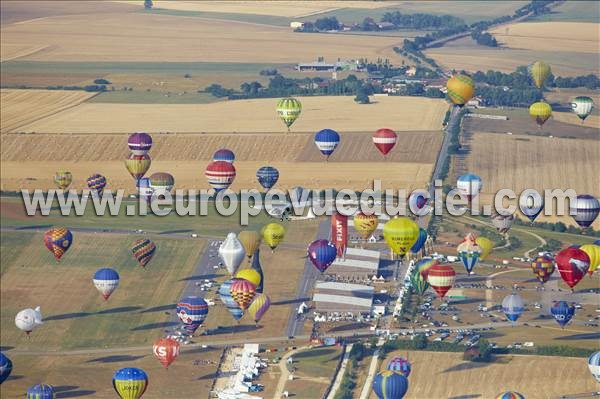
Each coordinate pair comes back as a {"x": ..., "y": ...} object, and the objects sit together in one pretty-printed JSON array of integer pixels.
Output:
[
  {"x": 572, "y": 11},
  {"x": 314, "y": 372}
]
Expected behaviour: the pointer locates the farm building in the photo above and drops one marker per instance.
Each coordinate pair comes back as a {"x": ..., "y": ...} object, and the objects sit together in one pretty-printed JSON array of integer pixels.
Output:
[
  {"x": 332, "y": 297},
  {"x": 320, "y": 67},
  {"x": 357, "y": 264}
]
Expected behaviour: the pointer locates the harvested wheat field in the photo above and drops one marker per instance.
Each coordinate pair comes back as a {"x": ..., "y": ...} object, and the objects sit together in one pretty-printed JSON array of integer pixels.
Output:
[
  {"x": 339, "y": 113},
  {"x": 21, "y": 107},
  {"x": 570, "y": 117}
]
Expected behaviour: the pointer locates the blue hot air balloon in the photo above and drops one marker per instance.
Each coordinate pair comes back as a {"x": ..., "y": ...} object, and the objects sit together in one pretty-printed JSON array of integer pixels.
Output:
[
  {"x": 267, "y": 176},
  {"x": 390, "y": 385},
  {"x": 224, "y": 155},
  {"x": 418, "y": 245},
  {"x": 326, "y": 141},
  {"x": 531, "y": 204},
  {"x": 41, "y": 391},
  {"x": 322, "y": 253},
  {"x": 144, "y": 189},
  {"x": 512, "y": 306},
  {"x": 562, "y": 312},
  {"x": 106, "y": 280},
  {"x": 5, "y": 367},
  {"x": 597, "y": 242},
  {"x": 231, "y": 305},
  {"x": 130, "y": 382},
  {"x": 594, "y": 365},
  {"x": 192, "y": 311}
]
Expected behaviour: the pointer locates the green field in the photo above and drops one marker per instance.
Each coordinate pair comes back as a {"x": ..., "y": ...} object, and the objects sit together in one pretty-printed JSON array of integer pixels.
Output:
[
  {"x": 238, "y": 17},
  {"x": 573, "y": 11},
  {"x": 152, "y": 97}
]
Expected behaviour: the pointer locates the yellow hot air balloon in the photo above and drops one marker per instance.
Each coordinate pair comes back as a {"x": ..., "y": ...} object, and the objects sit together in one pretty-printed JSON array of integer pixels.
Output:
[
  {"x": 539, "y": 71},
  {"x": 400, "y": 234},
  {"x": 289, "y": 110},
  {"x": 365, "y": 225},
  {"x": 540, "y": 112},
  {"x": 250, "y": 239},
  {"x": 273, "y": 234},
  {"x": 63, "y": 179},
  {"x": 486, "y": 246},
  {"x": 249, "y": 275},
  {"x": 259, "y": 307},
  {"x": 593, "y": 251},
  {"x": 461, "y": 89}
]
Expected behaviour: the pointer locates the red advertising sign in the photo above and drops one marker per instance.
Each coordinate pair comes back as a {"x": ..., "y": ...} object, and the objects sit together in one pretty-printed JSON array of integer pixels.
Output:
[{"x": 339, "y": 233}]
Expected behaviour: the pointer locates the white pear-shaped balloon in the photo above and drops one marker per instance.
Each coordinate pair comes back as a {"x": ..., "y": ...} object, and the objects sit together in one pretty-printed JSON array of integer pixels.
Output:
[{"x": 232, "y": 253}]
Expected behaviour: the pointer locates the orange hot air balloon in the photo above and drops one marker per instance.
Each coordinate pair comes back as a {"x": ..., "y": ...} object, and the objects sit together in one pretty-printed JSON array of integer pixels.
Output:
[
  {"x": 242, "y": 292},
  {"x": 166, "y": 350}
]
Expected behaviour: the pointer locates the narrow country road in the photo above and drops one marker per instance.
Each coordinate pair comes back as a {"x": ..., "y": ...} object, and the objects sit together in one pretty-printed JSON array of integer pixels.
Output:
[
  {"x": 366, "y": 390},
  {"x": 340, "y": 374}
]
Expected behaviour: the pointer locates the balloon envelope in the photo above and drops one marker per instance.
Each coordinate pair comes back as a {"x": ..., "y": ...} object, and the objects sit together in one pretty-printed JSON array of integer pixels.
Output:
[
  {"x": 469, "y": 185},
  {"x": 326, "y": 141},
  {"x": 224, "y": 154},
  {"x": 28, "y": 319},
  {"x": 250, "y": 275},
  {"x": 58, "y": 240},
  {"x": 594, "y": 365},
  {"x": 96, "y": 183},
  {"x": 510, "y": 395},
  {"x": 585, "y": 210},
  {"x": 501, "y": 222},
  {"x": 143, "y": 250},
  {"x": 232, "y": 253},
  {"x": 259, "y": 307},
  {"x": 400, "y": 234},
  {"x": 250, "y": 240},
  {"x": 322, "y": 253},
  {"x": 63, "y": 179},
  {"x": 469, "y": 252},
  {"x": 540, "y": 112},
  {"x": 192, "y": 311},
  {"x": 106, "y": 281},
  {"x": 166, "y": 350},
  {"x": 390, "y": 385},
  {"x": 138, "y": 165},
  {"x": 582, "y": 106},
  {"x": 531, "y": 204},
  {"x": 420, "y": 243},
  {"x": 572, "y": 264},
  {"x": 512, "y": 306},
  {"x": 288, "y": 110},
  {"x": 243, "y": 292},
  {"x": 562, "y": 312},
  {"x": 486, "y": 246},
  {"x": 231, "y": 305},
  {"x": 273, "y": 234},
  {"x": 543, "y": 267},
  {"x": 365, "y": 225},
  {"x": 399, "y": 365},
  {"x": 385, "y": 140},
  {"x": 139, "y": 143},
  {"x": 539, "y": 71},
  {"x": 460, "y": 89},
  {"x": 593, "y": 252},
  {"x": 130, "y": 383},
  {"x": 441, "y": 279},
  {"x": 41, "y": 391},
  {"x": 6, "y": 367},
  {"x": 220, "y": 174},
  {"x": 267, "y": 176},
  {"x": 162, "y": 182}
]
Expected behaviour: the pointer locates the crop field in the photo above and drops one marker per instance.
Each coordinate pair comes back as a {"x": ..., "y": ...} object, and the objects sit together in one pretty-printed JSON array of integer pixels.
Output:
[
  {"x": 314, "y": 372},
  {"x": 571, "y": 11}
]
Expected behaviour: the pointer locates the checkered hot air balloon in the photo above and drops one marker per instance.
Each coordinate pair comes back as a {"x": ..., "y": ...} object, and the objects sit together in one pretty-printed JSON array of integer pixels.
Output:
[
  {"x": 106, "y": 280},
  {"x": 399, "y": 365},
  {"x": 130, "y": 383},
  {"x": 138, "y": 165},
  {"x": 441, "y": 279},
  {"x": 461, "y": 89},
  {"x": 58, "y": 240},
  {"x": 139, "y": 143},
  {"x": 267, "y": 176},
  {"x": 288, "y": 110},
  {"x": 225, "y": 155},
  {"x": 585, "y": 210},
  {"x": 543, "y": 267},
  {"x": 41, "y": 391},
  {"x": 326, "y": 141},
  {"x": 63, "y": 179},
  {"x": 220, "y": 175},
  {"x": 143, "y": 250},
  {"x": 384, "y": 140},
  {"x": 243, "y": 292},
  {"x": 96, "y": 183},
  {"x": 192, "y": 311}
]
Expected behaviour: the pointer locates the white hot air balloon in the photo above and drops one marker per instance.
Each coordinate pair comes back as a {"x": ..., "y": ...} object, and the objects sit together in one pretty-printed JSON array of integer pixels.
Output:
[
  {"x": 232, "y": 253},
  {"x": 28, "y": 319}
]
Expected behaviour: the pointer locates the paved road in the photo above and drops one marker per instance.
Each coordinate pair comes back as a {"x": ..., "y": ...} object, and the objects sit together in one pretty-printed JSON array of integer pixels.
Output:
[
  {"x": 340, "y": 374},
  {"x": 366, "y": 390},
  {"x": 443, "y": 154}
]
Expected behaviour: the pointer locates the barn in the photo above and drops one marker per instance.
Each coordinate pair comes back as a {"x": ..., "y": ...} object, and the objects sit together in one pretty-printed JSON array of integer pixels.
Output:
[{"x": 334, "y": 297}]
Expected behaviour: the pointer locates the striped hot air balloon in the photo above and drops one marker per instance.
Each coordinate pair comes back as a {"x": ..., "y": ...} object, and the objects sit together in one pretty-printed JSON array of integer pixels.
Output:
[
  {"x": 418, "y": 282},
  {"x": 243, "y": 292},
  {"x": 138, "y": 165},
  {"x": 461, "y": 89},
  {"x": 510, "y": 395},
  {"x": 225, "y": 155},
  {"x": 130, "y": 383},
  {"x": 220, "y": 175},
  {"x": 441, "y": 279},
  {"x": 267, "y": 176},
  {"x": 326, "y": 141},
  {"x": 143, "y": 250},
  {"x": 63, "y": 179},
  {"x": 585, "y": 210},
  {"x": 139, "y": 143},
  {"x": 399, "y": 365},
  {"x": 543, "y": 267},
  {"x": 106, "y": 281},
  {"x": 259, "y": 307},
  {"x": 58, "y": 240},
  {"x": 540, "y": 112},
  {"x": 96, "y": 183},
  {"x": 424, "y": 265},
  {"x": 539, "y": 71},
  {"x": 41, "y": 391},
  {"x": 390, "y": 385},
  {"x": 385, "y": 139},
  {"x": 231, "y": 305},
  {"x": 161, "y": 182},
  {"x": 582, "y": 106},
  {"x": 192, "y": 311},
  {"x": 288, "y": 110}
]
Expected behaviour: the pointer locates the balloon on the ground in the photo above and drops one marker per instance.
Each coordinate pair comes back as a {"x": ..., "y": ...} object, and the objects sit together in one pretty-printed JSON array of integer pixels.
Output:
[
  {"x": 243, "y": 292},
  {"x": 460, "y": 89},
  {"x": 441, "y": 279},
  {"x": 469, "y": 185},
  {"x": 584, "y": 210},
  {"x": 512, "y": 306},
  {"x": 510, "y": 395},
  {"x": 143, "y": 250},
  {"x": 273, "y": 234},
  {"x": 288, "y": 110},
  {"x": 322, "y": 253},
  {"x": 420, "y": 243},
  {"x": 249, "y": 275},
  {"x": 539, "y": 71},
  {"x": 469, "y": 252},
  {"x": 96, "y": 183},
  {"x": 259, "y": 306},
  {"x": 593, "y": 251},
  {"x": 502, "y": 222},
  {"x": 250, "y": 240},
  {"x": 326, "y": 141},
  {"x": 365, "y": 225},
  {"x": 106, "y": 281},
  {"x": 267, "y": 176},
  {"x": 231, "y": 305},
  {"x": 582, "y": 106},
  {"x": 139, "y": 143},
  {"x": 232, "y": 253},
  {"x": 572, "y": 264},
  {"x": 418, "y": 282},
  {"x": 41, "y": 391},
  {"x": 543, "y": 267},
  {"x": 540, "y": 112},
  {"x": 225, "y": 155},
  {"x": 130, "y": 383},
  {"x": 531, "y": 204},
  {"x": 400, "y": 233},
  {"x": 399, "y": 365},
  {"x": 594, "y": 365},
  {"x": 486, "y": 246},
  {"x": 162, "y": 182},
  {"x": 220, "y": 175},
  {"x": 6, "y": 367},
  {"x": 192, "y": 311},
  {"x": 28, "y": 319},
  {"x": 138, "y": 165},
  {"x": 166, "y": 350},
  {"x": 384, "y": 140},
  {"x": 58, "y": 240},
  {"x": 562, "y": 312},
  {"x": 390, "y": 385}
]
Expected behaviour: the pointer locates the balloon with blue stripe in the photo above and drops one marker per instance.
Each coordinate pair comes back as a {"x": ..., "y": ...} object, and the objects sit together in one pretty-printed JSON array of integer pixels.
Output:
[
  {"x": 192, "y": 311},
  {"x": 267, "y": 176},
  {"x": 510, "y": 395},
  {"x": 512, "y": 306},
  {"x": 594, "y": 365},
  {"x": 562, "y": 313},
  {"x": 418, "y": 245},
  {"x": 41, "y": 391},
  {"x": 390, "y": 385},
  {"x": 225, "y": 294},
  {"x": 130, "y": 383},
  {"x": 224, "y": 154},
  {"x": 5, "y": 367},
  {"x": 326, "y": 141},
  {"x": 106, "y": 280}
]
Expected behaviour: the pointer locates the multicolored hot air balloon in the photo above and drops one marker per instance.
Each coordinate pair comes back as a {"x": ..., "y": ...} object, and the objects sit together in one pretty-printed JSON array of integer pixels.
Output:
[
  {"x": 572, "y": 264},
  {"x": 540, "y": 112},
  {"x": 166, "y": 350},
  {"x": 562, "y": 313},
  {"x": 138, "y": 165},
  {"x": 399, "y": 365},
  {"x": 232, "y": 253},
  {"x": 273, "y": 234},
  {"x": 400, "y": 233},
  {"x": 267, "y": 176},
  {"x": 539, "y": 71},
  {"x": 418, "y": 282},
  {"x": 106, "y": 281},
  {"x": 41, "y": 391},
  {"x": 28, "y": 319},
  {"x": 58, "y": 240},
  {"x": 220, "y": 175},
  {"x": 63, "y": 179},
  {"x": 543, "y": 267},
  {"x": 469, "y": 252},
  {"x": 192, "y": 311},
  {"x": 161, "y": 183},
  {"x": 593, "y": 251},
  {"x": 390, "y": 385},
  {"x": 424, "y": 265},
  {"x": 250, "y": 240},
  {"x": 531, "y": 204},
  {"x": 96, "y": 183},
  {"x": 242, "y": 291},
  {"x": 461, "y": 89},
  {"x": 510, "y": 395},
  {"x": 502, "y": 222},
  {"x": 225, "y": 155},
  {"x": 420, "y": 243},
  {"x": 231, "y": 305},
  {"x": 512, "y": 306},
  {"x": 322, "y": 253},
  {"x": 585, "y": 210},
  {"x": 130, "y": 383},
  {"x": 486, "y": 246},
  {"x": 143, "y": 250},
  {"x": 469, "y": 185},
  {"x": 6, "y": 367},
  {"x": 326, "y": 141},
  {"x": 288, "y": 110},
  {"x": 385, "y": 140},
  {"x": 594, "y": 365},
  {"x": 139, "y": 143},
  {"x": 441, "y": 279},
  {"x": 250, "y": 275},
  {"x": 365, "y": 225},
  {"x": 259, "y": 307},
  {"x": 582, "y": 106}
]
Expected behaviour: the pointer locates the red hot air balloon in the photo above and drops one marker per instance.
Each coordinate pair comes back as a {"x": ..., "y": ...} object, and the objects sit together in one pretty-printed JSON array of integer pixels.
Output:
[
  {"x": 166, "y": 350},
  {"x": 441, "y": 278},
  {"x": 385, "y": 140},
  {"x": 220, "y": 174},
  {"x": 572, "y": 264}
]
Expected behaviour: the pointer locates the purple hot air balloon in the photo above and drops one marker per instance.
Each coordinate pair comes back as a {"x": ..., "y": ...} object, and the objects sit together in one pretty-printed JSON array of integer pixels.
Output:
[
  {"x": 322, "y": 253},
  {"x": 224, "y": 154},
  {"x": 139, "y": 143}
]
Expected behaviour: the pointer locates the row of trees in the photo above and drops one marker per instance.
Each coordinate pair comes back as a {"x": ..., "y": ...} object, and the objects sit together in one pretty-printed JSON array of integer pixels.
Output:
[
  {"x": 520, "y": 78},
  {"x": 420, "y": 21},
  {"x": 348, "y": 383},
  {"x": 559, "y": 227}
]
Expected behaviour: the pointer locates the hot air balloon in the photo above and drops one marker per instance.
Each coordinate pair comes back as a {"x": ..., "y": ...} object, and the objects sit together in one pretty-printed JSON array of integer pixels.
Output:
[
  {"x": 144, "y": 190},
  {"x": 322, "y": 253},
  {"x": 139, "y": 143},
  {"x": 461, "y": 89},
  {"x": 220, "y": 175},
  {"x": 582, "y": 106},
  {"x": 469, "y": 252},
  {"x": 486, "y": 246},
  {"x": 502, "y": 222},
  {"x": 540, "y": 112},
  {"x": 143, "y": 250},
  {"x": 543, "y": 267},
  {"x": 572, "y": 264},
  {"x": 161, "y": 183},
  {"x": 250, "y": 240},
  {"x": 259, "y": 307},
  {"x": 594, "y": 365},
  {"x": 130, "y": 383},
  {"x": 441, "y": 279},
  {"x": 5, "y": 367},
  {"x": 365, "y": 225},
  {"x": 421, "y": 239},
  {"x": 424, "y": 265},
  {"x": 531, "y": 204},
  {"x": 288, "y": 110},
  {"x": 510, "y": 395},
  {"x": 58, "y": 240},
  {"x": 96, "y": 183},
  {"x": 225, "y": 155},
  {"x": 28, "y": 319},
  {"x": 273, "y": 234},
  {"x": 106, "y": 280},
  {"x": 243, "y": 292},
  {"x": 232, "y": 253},
  {"x": 512, "y": 306},
  {"x": 390, "y": 385},
  {"x": 166, "y": 350},
  {"x": 267, "y": 176},
  {"x": 469, "y": 185},
  {"x": 399, "y": 365},
  {"x": 192, "y": 311},
  {"x": 585, "y": 210},
  {"x": 417, "y": 202},
  {"x": 326, "y": 141},
  {"x": 385, "y": 140},
  {"x": 250, "y": 275},
  {"x": 539, "y": 71},
  {"x": 593, "y": 251},
  {"x": 63, "y": 179},
  {"x": 418, "y": 282},
  {"x": 41, "y": 391},
  {"x": 400, "y": 234},
  {"x": 138, "y": 165},
  {"x": 227, "y": 299},
  {"x": 562, "y": 313}
]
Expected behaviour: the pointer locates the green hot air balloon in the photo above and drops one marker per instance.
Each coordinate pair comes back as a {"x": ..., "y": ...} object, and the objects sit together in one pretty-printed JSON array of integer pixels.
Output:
[
  {"x": 582, "y": 106},
  {"x": 288, "y": 110}
]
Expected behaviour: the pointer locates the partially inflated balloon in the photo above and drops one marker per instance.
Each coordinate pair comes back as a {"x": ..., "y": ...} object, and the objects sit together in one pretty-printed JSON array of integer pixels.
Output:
[
  {"x": 63, "y": 179},
  {"x": 288, "y": 110},
  {"x": 166, "y": 350},
  {"x": 259, "y": 307},
  {"x": 540, "y": 112},
  {"x": 385, "y": 140},
  {"x": 365, "y": 225},
  {"x": 243, "y": 292},
  {"x": 461, "y": 89},
  {"x": 322, "y": 253},
  {"x": 390, "y": 385},
  {"x": 250, "y": 240},
  {"x": 486, "y": 246},
  {"x": 5, "y": 367},
  {"x": 58, "y": 240},
  {"x": 249, "y": 275},
  {"x": 130, "y": 383},
  {"x": 273, "y": 234},
  {"x": 593, "y": 251},
  {"x": 106, "y": 281},
  {"x": 400, "y": 234},
  {"x": 539, "y": 71},
  {"x": 543, "y": 267},
  {"x": 143, "y": 250},
  {"x": 572, "y": 264},
  {"x": 582, "y": 106},
  {"x": 138, "y": 165}
]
